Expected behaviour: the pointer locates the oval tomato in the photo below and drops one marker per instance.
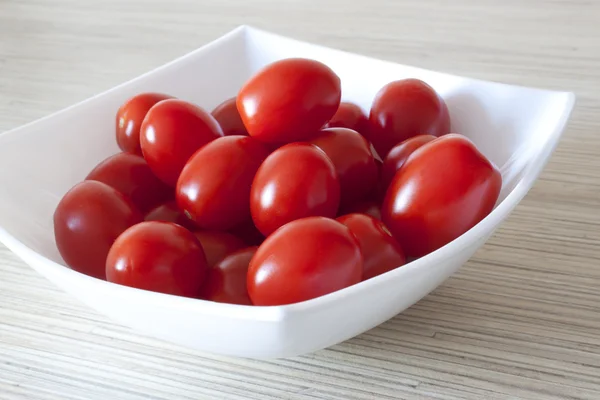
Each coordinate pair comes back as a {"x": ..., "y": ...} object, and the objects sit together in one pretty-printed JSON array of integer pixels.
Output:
[
  {"x": 217, "y": 245},
  {"x": 169, "y": 212},
  {"x": 381, "y": 252},
  {"x": 129, "y": 120},
  {"x": 226, "y": 281},
  {"x": 158, "y": 256},
  {"x": 171, "y": 132},
  {"x": 304, "y": 259},
  {"x": 351, "y": 116},
  {"x": 297, "y": 180},
  {"x": 403, "y": 109},
  {"x": 398, "y": 156},
  {"x": 131, "y": 175},
  {"x": 228, "y": 117},
  {"x": 444, "y": 189},
  {"x": 87, "y": 221},
  {"x": 353, "y": 160},
  {"x": 214, "y": 187},
  {"x": 289, "y": 100}
]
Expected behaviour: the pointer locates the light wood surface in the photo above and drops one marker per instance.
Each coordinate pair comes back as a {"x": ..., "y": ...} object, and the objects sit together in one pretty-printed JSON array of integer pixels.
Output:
[{"x": 519, "y": 321}]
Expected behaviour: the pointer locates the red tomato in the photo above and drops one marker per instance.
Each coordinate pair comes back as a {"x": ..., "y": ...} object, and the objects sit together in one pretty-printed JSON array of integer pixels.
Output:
[
  {"x": 87, "y": 221},
  {"x": 214, "y": 187},
  {"x": 297, "y": 180},
  {"x": 130, "y": 117},
  {"x": 353, "y": 160},
  {"x": 171, "y": 132},
  {"x": 351, "y": 116},
  {"x": 130, "y": 175},
  {"x": 228, "y": 116},
  {"x": 217, "y": 245},
  {"x": 226, "y": 281},
  {"x": 289, "y": 100},
  {"x": 169, "y": 212},
  {"x": 444, "y": 189},
  {"x": 398, "y": 156},
  {"x": 369, "y": 207},
  {"x": 249, "y": 233},
  {"x": 403, "y": 109},
  {"x": 381, "y": 252},
  {"x": 160, "y": 257},
  {"x": 304, "y": 259}
]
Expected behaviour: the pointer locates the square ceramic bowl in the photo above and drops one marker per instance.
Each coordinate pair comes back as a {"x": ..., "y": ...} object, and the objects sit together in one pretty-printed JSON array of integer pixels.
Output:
[{"x": 517, "y": 128}]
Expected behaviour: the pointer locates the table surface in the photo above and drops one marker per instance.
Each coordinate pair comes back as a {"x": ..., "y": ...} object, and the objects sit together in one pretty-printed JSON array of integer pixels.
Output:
[{"x": 519, "y": 320}]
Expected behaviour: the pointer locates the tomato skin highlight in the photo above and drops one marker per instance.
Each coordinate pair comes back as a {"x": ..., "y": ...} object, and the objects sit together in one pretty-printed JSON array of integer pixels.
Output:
[
  {"x": 228, "y": 117},
  {"x": 217, "y": 245},
  {"x": 226, "y": 281},
  {"x": 398, "y": 156},
  {"x": 403, "y": 109},
  {"x": 381, "y": 252},
  {"x": 214, "y": 187},
  {"x": 353, "y": 161},
  {"x": 429, "y": 204},
  {"x": 131, "y": 175},
  {"x": 304, "y": 259},
  {"x": 351, "y": 116},
  {"x": 130, "y": 117},
  {"x": 171, "y": 133},
  {"x": 87, "y": 221},
  {"x": 289, "y": 100},
  {"x": 297, "y": 180},
  {"x": 158, "y": 256}
]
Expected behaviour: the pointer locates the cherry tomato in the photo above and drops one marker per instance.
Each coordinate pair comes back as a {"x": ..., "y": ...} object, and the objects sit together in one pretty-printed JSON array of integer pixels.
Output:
[
  {"x": 444, "y": 189},
  {"x": 214, "y": 187},
  {"x": 289, "y": 100},
  {"x": 160, "y": 257},
  {"x": 228, "y": 116},
  {"x": 249, "y": 233},
  {"x": 398, "y": 156},
  {"x": 169, "y": 212},
  {"x": 217, "y": 245},
  {"x": 353, "y": 160},
  {"x": 381, "y": 252},
  {"x": 304, "y": 259},
  {"x": 226, "y": 281},
  {"x": 351, "y": 116},
  {"x": 368, "y": 207},
  {"x": 87, "y": 221},
  {"x": 297, "y": 180},
  {"x": 403, "y": 109},
  {"x": 130, "y": 117},
  {"x": 130, "y": 175},
  {"x": 171, "y": 132}
]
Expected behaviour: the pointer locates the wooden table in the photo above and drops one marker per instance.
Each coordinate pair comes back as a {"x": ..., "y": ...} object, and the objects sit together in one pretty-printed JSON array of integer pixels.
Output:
[{"x": 520, "y": 320}]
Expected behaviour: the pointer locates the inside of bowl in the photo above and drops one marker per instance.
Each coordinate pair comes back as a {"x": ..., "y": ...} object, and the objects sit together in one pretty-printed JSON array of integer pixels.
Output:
[{"x": 41, "y": 161}]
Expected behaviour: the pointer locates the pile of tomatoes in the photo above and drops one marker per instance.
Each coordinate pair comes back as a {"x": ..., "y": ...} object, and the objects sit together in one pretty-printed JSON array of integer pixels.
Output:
[{"x": 277, "y": 196}]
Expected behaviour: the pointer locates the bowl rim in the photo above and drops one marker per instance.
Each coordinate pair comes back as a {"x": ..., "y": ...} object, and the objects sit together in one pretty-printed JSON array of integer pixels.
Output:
[{"x": 284, "y": 312}]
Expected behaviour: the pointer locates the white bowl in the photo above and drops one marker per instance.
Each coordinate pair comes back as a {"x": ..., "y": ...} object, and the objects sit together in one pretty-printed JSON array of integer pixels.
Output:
[{"x": 518, "y": 128}]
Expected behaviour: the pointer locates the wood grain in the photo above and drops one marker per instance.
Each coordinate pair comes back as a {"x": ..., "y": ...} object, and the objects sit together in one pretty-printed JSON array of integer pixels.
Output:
[{"x": 519, "y": 321}]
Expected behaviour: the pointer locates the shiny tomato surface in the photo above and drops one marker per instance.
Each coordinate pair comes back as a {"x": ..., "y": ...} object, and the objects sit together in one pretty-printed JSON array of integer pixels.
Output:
[
  {"x": 444, "y": 189},
  {"x": 171, "y": 132},
  {"x": 351, "y": 116},
  {"x": 381, "y": 252},
  {"x": 160, "y": 257},
  {"x": 228, "y": 117},
  {"x": 169, "y": 212},
  {"x": 214, "y": 187},
  {"x": 297, "y": 180},
  {"x": 305, "y": 259},
  {"x": 289, "y": 100},
  {"x": 403, "y": 109},
  {"x": 130, "y": 117},
  {"x": 226, "y": 281},
  {"x": 87, "y": 221},
  {"x": 131, "y": 175}
]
